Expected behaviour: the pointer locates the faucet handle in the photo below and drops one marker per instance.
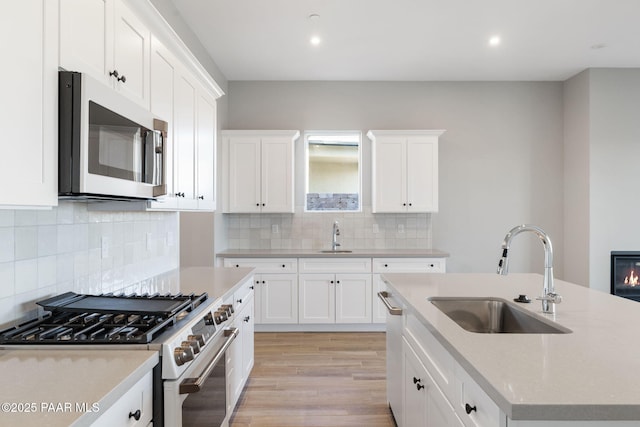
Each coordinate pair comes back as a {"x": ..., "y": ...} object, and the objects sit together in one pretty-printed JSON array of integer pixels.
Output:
[{"x": 551, "y": 297}]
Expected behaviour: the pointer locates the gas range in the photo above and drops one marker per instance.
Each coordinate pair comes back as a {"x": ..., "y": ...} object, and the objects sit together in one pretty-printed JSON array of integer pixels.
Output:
[{"x": 178, "y": 326}]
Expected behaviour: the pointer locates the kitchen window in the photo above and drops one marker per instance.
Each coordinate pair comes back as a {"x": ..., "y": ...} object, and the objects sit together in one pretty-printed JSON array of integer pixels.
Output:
[{"x": 333, "y": 178}]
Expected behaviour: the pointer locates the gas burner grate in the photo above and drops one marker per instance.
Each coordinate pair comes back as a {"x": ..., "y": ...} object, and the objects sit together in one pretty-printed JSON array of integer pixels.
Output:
[{"x": 107, "y": 318}]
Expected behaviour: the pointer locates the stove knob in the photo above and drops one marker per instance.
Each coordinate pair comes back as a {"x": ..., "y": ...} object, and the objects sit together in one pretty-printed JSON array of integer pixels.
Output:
[
  {"x": 228, "y": 308},
  {"x": 199, "y": 338},
  {"x": 193, "y": 344},
  {"x": 208, "y": 319},
  {"x": 220, "y": 316},
  {"x": 183, "y": 354}
]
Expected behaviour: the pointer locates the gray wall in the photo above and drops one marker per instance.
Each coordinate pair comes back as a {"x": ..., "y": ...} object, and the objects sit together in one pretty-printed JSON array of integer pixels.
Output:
[
  {"x": 501, "y": 158},
  {"x": 576, "y": 183},
  {"x": 614, "y": 168}
]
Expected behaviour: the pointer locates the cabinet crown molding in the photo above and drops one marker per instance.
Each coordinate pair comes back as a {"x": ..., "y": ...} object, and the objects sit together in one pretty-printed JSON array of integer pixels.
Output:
[
  {"x": 294, "y": 134},
  {"x": 372, "y": 134}
]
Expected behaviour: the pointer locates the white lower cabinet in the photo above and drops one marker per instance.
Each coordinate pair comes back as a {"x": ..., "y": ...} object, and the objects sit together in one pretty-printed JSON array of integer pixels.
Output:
[
  {"x": 436, "y": 391},
  {"x": 276, "y": 288},
  {"x": 240, "y": 358},
  {"x": 133, "y": 408},
  {"x": 424, "y": 402},
  {"x": 341, "y": 295},
  {"x": 335, "y": 298}
]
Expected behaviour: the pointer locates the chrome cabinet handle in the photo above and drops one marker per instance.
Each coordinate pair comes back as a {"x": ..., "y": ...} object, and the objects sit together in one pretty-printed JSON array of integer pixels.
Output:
[
  {"x": 395, "y": 311},
  {"x": 194, "y": 385}
]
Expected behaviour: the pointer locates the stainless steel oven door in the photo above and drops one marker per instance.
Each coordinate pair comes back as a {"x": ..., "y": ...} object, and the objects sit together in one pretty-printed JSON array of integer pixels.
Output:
[{"x": 199, "y": 397}]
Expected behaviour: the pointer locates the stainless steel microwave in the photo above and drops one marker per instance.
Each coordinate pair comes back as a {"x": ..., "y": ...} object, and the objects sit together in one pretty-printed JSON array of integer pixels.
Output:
[{"x": 108, "y": 146}]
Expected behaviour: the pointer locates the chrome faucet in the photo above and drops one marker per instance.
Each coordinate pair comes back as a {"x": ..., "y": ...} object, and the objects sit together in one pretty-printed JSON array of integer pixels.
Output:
[
  {"x": 549, "y": 297},
  {"x": 336, "y": 233}
]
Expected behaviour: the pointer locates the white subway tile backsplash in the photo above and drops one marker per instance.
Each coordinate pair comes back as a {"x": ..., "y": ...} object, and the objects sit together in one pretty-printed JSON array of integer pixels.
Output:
[
  {"x": 26, "y": 242},
  {"x": 47, "y": 240},
  {"x": 43, "y": 253},
  {"x": 26, "y": 275},
  {"x": 7, "y": 275},
  {"x": 7, "y": 244},
  {"x": 313, "y": 230}
]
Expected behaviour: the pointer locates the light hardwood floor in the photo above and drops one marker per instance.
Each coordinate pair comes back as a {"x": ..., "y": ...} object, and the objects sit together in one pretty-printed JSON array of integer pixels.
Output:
[{"x": 316, "y": 379}]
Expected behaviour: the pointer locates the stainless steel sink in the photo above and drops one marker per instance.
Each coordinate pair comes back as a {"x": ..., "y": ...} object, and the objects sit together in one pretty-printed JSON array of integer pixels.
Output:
[
  {"x": 337, "y": 251},
  {"x": 495, "y": 316}
]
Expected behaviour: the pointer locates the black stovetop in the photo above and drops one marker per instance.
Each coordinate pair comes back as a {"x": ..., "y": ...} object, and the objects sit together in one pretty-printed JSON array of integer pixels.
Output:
[{"x": 102, "y": 319}]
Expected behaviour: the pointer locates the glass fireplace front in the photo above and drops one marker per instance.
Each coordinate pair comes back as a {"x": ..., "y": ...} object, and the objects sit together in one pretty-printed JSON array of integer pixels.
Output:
[{"x": 625, "y": 274}]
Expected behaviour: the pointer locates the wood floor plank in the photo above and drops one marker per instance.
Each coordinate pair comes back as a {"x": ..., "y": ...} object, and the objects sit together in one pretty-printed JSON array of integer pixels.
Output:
[{"x": 316, "y": 379}]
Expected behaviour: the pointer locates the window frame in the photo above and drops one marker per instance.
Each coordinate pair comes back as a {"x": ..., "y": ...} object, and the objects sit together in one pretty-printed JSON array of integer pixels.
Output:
[{"x": 309, "y": 133}]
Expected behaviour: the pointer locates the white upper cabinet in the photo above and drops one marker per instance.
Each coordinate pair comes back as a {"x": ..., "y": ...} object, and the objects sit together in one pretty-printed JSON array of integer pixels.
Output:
[
  {"x": 404, "y": 170},
  {"x": 105, "y": 39},
  {"x": 259, "y": 170},
  {"x": 29, "y": 119},
  {"x": 205, "y": 161},
  {"x": 178, "y": 98}
]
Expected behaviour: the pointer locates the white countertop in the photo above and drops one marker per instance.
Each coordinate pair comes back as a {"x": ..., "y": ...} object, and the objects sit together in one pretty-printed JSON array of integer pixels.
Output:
[
  {"x": 217, "y": 282},
  {"x": 590, "y": 374},
  {"x": 43, "y": 386},
  {"x": 317, "y": 253}
]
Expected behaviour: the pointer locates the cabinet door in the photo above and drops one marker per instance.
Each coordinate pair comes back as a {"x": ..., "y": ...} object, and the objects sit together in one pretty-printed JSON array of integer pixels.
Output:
[
  {"x": 184, "y": 140},
  {"x": 247, "y": 319},
  {"x": 205, "y": 149},
  {"x": 389, "y": 186},
  {"x": 353, "y": 298},
  {"x": 28, "y": 167},
  {"x": 424, "y": 403},
  {"x": 317, "y": 298},
  {"x": 277, "y": 295},
  {"x": 131, "y": 55},
  {"x": 422, "y": 174},
  {"x": 86, "y": 37},
  {"x": 277, "y": 174},
  {"x": 244, "y": 174},
  {"x": 163, "y": 76}
]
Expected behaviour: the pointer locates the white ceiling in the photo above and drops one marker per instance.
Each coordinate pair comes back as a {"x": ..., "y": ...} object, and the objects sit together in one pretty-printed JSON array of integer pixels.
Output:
[{"x": 415, "y": 40}]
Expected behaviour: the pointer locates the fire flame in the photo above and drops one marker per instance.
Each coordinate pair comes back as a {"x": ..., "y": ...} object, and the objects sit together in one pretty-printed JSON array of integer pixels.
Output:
[{"x": 632, "y": 279}]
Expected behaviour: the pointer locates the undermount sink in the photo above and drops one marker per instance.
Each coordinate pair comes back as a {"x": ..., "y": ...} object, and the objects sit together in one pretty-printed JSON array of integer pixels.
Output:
[
  {"x": 494, "y": 316},
  {"x": 337, "y": 251}
]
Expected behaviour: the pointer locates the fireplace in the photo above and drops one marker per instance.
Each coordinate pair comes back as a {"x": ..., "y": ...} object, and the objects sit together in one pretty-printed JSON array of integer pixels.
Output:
[{"x": 625, "y": 274}]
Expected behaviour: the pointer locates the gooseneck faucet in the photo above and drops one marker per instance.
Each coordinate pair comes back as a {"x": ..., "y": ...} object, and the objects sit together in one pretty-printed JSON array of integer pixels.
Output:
[
  {"x": 549, "y": 297},
  {"x": 336, "y": 233}
]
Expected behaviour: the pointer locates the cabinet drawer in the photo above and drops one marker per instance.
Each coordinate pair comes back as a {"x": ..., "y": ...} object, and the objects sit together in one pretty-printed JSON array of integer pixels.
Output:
[
  {"x": 482, "y": 411},
  {"x": 344, "y": 265},
  {"x": 433, "y": 355},
  {"x": 409, "y": 265},
  {"x": 265, "y": 265},
  {"x": 137, "y": 398},
  {"x": 242, "y": 295}
]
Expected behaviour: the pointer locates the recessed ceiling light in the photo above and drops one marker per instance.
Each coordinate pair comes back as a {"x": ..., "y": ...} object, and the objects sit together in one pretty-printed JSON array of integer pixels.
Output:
[
  {"x": 494, "y": 41},
  {"x": 314, "y": 17},
  {"x": 315, "y": 40},
  {"x": 598, "y": 46}
]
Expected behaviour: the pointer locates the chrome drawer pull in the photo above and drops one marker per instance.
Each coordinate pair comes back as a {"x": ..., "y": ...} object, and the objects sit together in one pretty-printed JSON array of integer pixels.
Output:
[{"x": 396, "y": 311}]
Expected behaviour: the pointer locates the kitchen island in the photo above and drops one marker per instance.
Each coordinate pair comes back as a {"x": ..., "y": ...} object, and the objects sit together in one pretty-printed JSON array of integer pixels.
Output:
[{"x": 589, "y": 376}]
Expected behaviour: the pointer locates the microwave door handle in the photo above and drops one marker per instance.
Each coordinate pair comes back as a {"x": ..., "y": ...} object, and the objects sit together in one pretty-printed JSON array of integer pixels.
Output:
[{"x": 159, "y": 163}]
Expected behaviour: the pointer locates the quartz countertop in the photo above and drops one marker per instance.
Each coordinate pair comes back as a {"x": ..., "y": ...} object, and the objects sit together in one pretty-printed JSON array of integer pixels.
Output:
[
  {"x": 317, "y": 253},
  {"x": 217, "y": 282},
  {"x": 42, "y": 387},
  {"x": 589, "y": 374}
]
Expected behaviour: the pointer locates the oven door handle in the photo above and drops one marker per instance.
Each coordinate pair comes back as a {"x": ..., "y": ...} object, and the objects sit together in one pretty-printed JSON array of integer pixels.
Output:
[{"x": 194, "y": 385}]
